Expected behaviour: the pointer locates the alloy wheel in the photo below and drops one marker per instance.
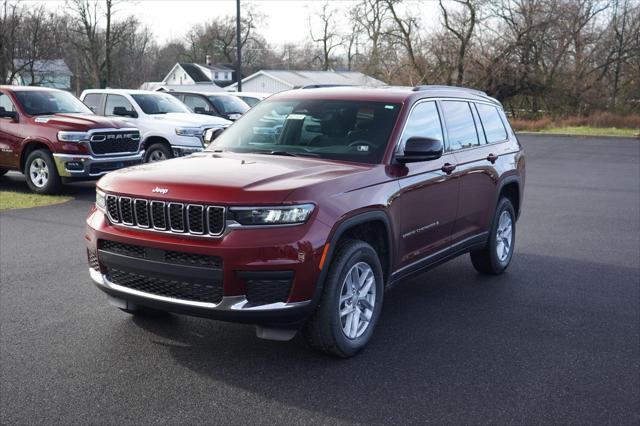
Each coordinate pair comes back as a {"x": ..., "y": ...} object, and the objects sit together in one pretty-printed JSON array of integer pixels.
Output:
[
  {"x": 357, "y": 300},
  {"x": 39, "y": 172},
  {"x": 504, "y": 236}
]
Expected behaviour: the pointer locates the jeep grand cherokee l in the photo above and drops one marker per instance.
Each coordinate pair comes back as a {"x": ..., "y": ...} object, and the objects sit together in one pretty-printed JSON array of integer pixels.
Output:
[
  {"x": 51, "y": 137},
  {"x": 301, "y": 214}
]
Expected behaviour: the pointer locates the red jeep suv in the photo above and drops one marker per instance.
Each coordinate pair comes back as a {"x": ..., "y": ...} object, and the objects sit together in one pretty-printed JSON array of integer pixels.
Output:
[{"x": 301, "y": 214}]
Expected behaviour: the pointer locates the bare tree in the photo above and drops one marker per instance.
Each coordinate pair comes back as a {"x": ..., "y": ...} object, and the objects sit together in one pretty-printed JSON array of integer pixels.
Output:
[
  {"x": 461, "y": 24},
  {"x": 328, "y": 37},
  {"x": 404, "y": 30}
]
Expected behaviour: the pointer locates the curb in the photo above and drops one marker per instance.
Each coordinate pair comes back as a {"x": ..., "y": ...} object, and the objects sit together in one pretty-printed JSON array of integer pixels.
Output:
[{"x": 636, "y": 137}]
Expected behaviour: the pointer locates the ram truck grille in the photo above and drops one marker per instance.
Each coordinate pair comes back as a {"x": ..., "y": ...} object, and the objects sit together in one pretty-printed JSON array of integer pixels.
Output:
[
  {"x": 178, "y": 218},
  {"x": 115, "y": 142}
]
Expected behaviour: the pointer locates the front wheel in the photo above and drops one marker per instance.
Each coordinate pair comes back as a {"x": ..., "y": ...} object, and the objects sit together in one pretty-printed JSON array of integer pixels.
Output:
[
  {"x": 351, "y": 301},
  {"x": 41, "y": 173},
  {"x": 3, "y": 172},
  {"x": 495, "y": 257},
  {"x": 157, "y": 152}
]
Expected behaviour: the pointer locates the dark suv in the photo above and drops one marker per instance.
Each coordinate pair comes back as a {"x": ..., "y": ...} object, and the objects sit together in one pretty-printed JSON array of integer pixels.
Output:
[
  {"x": 218, "y": 104},
  {"x": 303, "y": 212}
]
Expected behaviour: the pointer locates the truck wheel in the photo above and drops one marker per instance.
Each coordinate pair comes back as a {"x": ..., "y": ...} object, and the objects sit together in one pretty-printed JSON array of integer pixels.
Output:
[
  {"x": 41, "y": 173},
  {"x": 496, "y": 256},
  {"x": 3, "y": 172},
  {"x": 351, "y": 301},
  {"x": 157, "y": 152}
]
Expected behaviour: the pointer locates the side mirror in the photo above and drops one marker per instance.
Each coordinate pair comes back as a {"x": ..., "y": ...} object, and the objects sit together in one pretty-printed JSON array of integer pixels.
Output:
[
  {"x": 199, "y": 110},
  {"x": 421, "y": 149},
  {"x": 123, "y": 112},
  {"x": 13, "y": 115}
]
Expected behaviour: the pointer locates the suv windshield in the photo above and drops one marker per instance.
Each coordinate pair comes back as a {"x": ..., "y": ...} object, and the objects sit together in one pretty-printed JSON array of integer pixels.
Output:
[
  {"x": 159, "y": 103},
  {"x": 229, "y": 104},
  {"x": 356, "y": 131},
  {"x": 46, "y": 102}
]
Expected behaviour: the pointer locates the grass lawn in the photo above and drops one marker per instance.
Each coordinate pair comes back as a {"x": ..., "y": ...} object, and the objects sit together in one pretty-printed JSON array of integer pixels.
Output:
[
  {"x": 18, "y": 200},
  {"x": 591, "y": 131}
]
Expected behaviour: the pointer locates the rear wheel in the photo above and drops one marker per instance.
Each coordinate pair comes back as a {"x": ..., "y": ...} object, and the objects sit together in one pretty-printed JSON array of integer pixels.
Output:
[
  {"x": 41, "y": 173},
  {"x": 495, "y": 257},
  {"x": 157, "y": 152},
  {"x": 351, "y": 301}
]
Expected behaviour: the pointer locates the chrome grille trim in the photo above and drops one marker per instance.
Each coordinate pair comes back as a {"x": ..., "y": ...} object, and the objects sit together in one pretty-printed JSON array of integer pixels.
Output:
[
  {"x": 202, "y": 221},
  {"x": 156, "y": 209},
  {"x": 137, "y": 219},
  {"x": 171, "y": 221}
]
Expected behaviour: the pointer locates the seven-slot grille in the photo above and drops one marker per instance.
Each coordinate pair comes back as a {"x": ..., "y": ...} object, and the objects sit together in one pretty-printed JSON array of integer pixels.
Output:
[
  {"x": 193, "y": 219},
  {"x": 119, "y": 142}
]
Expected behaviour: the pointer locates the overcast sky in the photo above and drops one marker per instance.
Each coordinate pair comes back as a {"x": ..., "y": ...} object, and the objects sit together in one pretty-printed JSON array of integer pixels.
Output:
[{"x": 286, "y": 20}]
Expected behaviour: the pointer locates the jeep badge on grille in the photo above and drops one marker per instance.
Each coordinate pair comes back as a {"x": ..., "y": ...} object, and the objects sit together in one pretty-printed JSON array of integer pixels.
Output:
[{"x": 160, "y": 190}]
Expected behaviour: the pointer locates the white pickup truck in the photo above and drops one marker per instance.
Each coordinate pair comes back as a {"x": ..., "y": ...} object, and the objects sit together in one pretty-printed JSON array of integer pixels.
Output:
[{"x": 167, "y": 127}]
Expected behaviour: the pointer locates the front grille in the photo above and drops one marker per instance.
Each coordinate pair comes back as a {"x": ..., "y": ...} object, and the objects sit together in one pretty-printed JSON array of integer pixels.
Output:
[
  {"x": 262, "y": 292},
  {"x": 168, "y": 256},
  {"x": 178, "y": 218},
  {"x": 175, "y": 289},
  {"x": 118, "y": 142}
]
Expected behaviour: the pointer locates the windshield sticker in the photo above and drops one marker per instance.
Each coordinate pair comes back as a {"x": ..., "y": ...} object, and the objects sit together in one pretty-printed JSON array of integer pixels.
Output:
[
  {"x": 389, "y": 107},
  {"x": 296, "y": 117}
]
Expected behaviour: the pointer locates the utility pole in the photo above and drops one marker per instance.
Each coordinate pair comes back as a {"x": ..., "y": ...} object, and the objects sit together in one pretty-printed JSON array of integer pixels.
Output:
[{"x": 238, "y": 48}]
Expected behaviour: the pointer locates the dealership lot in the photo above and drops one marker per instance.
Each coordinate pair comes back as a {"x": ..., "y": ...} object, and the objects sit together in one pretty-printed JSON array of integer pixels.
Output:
[{"x": 555, "y": 339}]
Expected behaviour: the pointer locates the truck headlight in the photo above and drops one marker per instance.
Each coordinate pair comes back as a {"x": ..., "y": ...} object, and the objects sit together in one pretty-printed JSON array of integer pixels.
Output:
[
  {"x": 101, "y": 201},
  {"x": 73, "y": 136},
  {"x": 285, "y": 215},
  {"x": 195, "y": 132}
]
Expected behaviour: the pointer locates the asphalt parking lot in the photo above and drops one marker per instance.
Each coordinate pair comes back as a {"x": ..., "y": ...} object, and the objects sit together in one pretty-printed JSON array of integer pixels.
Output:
[{"x": 554, "y": 340}]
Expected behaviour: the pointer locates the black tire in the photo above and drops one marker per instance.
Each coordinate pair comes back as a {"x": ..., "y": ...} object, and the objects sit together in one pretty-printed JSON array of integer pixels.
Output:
[
  {"x": 324, "y": 330},
  {"x": 53, "y": 182},
  {"x": 155, "y": 150},
  {"x": 486, "y": 261},
  {"x": 3, "y": 172}
]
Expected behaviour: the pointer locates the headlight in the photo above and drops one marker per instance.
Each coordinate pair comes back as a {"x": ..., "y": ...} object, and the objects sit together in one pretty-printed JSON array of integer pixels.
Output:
[
  {"x": 101, "y": 201},
  {"x": 285, "y": 215},
  {"x": 195, "y": 132},
  {"x": 73, "y": 136}
]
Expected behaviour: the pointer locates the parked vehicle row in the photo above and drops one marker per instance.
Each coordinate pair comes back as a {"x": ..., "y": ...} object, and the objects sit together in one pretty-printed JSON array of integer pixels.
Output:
[
  {"x": 54, "y": 138},
  {"x": 302, "y": 214},
  {"x": 168, "y": 128}
]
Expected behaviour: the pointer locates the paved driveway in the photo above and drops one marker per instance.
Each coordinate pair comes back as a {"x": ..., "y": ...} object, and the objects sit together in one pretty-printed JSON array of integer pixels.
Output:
[{"x": 556, "y": 339}]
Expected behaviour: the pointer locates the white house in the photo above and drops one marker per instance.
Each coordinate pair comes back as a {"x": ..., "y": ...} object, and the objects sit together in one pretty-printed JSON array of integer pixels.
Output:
[
  {"x": 184, "y": 73},
  {"x": 274, "y": 81}
]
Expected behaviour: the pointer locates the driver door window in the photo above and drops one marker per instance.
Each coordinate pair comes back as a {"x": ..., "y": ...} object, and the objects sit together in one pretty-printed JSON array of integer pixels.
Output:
[
  {"x": 114, "y": 101},
  {"x": 6, "y": 103},
  {"x": 424, "y": 122}
]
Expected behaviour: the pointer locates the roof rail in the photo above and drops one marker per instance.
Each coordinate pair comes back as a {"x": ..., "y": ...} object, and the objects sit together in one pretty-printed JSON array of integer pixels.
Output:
[
  {"x": 443, "y": 87},
  {"x": 320, "y": 86}
]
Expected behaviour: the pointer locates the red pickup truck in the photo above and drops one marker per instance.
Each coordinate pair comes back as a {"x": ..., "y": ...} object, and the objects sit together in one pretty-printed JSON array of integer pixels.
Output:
[{"x": 52, "y": 138}]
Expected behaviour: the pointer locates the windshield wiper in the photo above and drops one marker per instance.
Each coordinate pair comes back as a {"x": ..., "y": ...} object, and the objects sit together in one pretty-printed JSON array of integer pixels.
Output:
[
  {"x": 283, "y": 153},
  {"x": 45, "y": 113}
]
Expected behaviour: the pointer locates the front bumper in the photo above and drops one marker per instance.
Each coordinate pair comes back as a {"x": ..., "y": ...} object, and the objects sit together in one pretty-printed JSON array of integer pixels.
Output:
[
  {"x": 230, "y": 308},
  {"x": 249, "y": 258},
  {"x": 182, "y": 150},
  {"x": 88, "y": 166}
]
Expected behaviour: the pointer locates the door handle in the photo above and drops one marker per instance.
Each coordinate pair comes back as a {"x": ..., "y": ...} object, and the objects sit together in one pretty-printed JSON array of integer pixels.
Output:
[
  {"x": 492, "y": 158},
  {"x": 448, "y": 168}
]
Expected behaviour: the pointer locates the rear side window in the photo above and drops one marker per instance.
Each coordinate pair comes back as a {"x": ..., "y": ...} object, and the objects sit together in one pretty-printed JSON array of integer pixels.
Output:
[
  {"x": 114, "y": 101},
  {"x": 198, "y": 105},
  {"x": 492, "y": 124},
  {"x": 460, "y": 125},
  {"x": 92, "y": 100},
  {"x": 423, "y": 122}
]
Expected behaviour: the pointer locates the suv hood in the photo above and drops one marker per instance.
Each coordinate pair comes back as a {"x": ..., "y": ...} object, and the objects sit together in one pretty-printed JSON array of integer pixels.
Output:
[
  {"x": 228, "y": 178},
  {"x": 188, "y": 119},
  {"x": 79, "y": 122}
]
